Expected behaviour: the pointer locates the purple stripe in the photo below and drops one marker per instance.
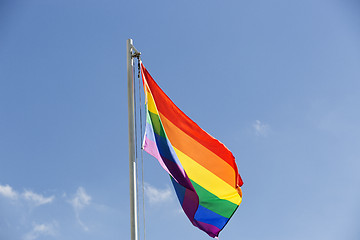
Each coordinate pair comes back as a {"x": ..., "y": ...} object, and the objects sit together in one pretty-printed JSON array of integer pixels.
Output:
[
  {"x": 190, "y": 204},
  {"x": 211, "y": 230}
]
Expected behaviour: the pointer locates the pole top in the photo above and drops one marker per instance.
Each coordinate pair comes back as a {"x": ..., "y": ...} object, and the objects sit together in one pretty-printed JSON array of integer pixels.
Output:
[{"x": 133, "y": 50}]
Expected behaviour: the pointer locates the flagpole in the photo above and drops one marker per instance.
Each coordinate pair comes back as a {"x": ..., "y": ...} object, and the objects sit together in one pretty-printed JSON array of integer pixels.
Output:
[{"x": 130, "y": 52}]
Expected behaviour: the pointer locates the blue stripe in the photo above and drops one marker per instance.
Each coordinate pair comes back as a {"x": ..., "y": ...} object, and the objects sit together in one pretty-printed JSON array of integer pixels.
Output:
[
  {"x": 180, "y": 190},
  {"x": 207, "y": 216},
  {"x": 165, "y": 149}
]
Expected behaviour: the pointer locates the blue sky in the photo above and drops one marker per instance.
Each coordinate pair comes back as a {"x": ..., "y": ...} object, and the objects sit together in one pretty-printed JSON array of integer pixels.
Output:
[{"x": 276, "y": 81}]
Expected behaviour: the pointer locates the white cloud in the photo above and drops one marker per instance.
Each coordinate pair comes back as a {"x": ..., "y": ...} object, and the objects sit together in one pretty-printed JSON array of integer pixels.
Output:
[
  {"x": 18, "y": 218},
  {"x": 156, "y": 195},
  {"x": 8, "y": 192},
  {"x": 80, "y": 201},
  {"x": 261, "y": 129},
  {"x": 39, "y": 230},
  {"x": 37, "y": 199},
  {"x": 27, "y": 195}
]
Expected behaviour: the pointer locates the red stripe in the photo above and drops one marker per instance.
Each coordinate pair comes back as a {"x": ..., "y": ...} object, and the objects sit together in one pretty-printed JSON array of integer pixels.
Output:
[{"x": 183, "y": 122}]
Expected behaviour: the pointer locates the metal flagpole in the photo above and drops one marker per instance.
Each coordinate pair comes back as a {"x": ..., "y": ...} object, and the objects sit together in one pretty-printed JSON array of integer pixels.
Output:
[{"x": 131, "y": 53}]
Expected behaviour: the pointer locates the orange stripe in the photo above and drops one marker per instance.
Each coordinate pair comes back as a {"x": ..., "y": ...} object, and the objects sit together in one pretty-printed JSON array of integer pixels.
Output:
[{"x": 198, "y": 153}]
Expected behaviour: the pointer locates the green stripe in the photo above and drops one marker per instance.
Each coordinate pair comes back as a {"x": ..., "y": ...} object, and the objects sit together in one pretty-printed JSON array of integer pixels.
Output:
[
  {"x": 156, "y": 124},
  {"x": 148, "y": 120},
  {"x": 210, "y": 201}
]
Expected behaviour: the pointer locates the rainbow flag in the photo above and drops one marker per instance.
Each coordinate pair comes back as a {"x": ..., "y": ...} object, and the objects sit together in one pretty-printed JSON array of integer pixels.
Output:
[{"x": 203, "y": 171}]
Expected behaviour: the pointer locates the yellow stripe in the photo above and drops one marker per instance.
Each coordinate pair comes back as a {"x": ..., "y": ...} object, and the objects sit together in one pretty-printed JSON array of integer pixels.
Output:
[
  {"x": 151, "y": 104},
  {"x": 207, "y": 179}
]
